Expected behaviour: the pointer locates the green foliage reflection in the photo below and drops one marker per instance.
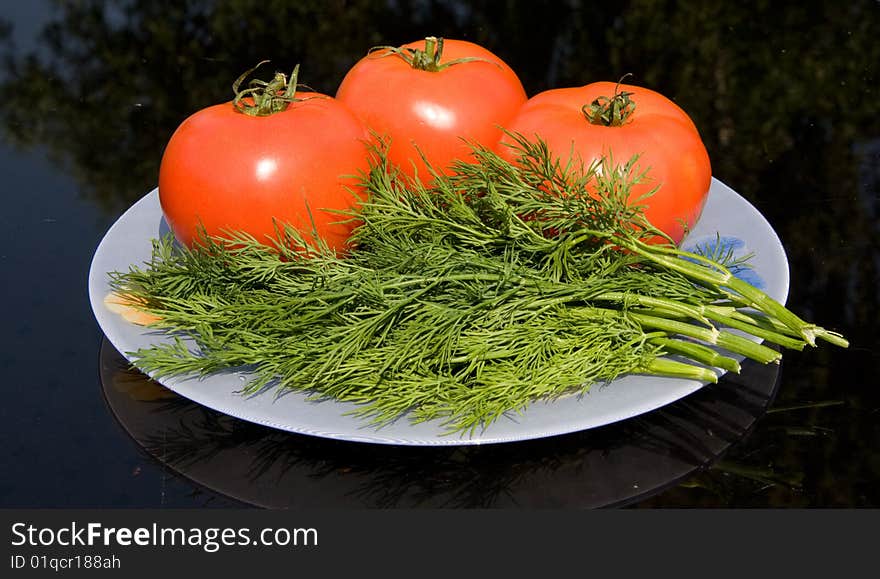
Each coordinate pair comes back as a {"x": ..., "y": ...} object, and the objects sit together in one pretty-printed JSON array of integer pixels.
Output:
[{"x": 785, "y": 96}]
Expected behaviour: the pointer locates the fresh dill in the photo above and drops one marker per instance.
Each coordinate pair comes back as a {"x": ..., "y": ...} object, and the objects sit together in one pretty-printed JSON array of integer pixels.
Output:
[{"x": 460, "y": 301}]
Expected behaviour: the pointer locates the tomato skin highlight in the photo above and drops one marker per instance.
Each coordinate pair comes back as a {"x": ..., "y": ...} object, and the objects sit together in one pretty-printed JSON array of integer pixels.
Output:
[
  {"x": 659, "y": 131},
  {"x": 434, "y": 113},
  {"x": 227, "y": 171}
]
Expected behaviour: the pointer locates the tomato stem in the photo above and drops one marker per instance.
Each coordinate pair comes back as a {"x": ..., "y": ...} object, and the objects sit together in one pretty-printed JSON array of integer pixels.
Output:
[
  {"x": 263, "y": 98},
  {"x": 611, "y": 112},
  {"x": 427, "y": 59}
]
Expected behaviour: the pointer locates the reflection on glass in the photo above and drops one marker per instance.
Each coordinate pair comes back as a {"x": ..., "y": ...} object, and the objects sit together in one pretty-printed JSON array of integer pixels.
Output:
[
  {"x": 613, "y": 465},
  {"x": 782, "y": 95}
]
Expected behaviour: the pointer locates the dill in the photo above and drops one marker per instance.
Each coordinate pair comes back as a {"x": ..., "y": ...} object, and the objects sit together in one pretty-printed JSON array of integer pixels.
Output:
[{"x": 460, "y": 301}]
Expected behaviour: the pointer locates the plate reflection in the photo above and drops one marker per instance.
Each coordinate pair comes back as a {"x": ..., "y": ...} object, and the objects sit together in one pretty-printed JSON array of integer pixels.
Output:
[{"x": 611, "y": 466}]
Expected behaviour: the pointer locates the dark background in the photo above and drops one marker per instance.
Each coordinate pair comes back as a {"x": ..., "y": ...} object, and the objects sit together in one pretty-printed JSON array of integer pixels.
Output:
[{"x": 785, "y": 96}]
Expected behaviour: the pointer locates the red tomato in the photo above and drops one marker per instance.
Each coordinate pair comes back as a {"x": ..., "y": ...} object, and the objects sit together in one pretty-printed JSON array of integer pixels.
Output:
[
  {"x": 226, "y": 170},
  {"x": 657, "y": 129},
  {"x": 430, "y": 100}
]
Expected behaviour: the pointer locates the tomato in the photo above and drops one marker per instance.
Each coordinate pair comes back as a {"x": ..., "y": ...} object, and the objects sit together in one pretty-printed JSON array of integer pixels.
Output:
[
  {"x": 430, "y": 101},
  {"x": 646, "y": 124},
  {"x": 230, "y": 171}
]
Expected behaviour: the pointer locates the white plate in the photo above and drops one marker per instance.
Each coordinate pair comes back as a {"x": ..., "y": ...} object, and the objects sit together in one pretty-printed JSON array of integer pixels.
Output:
[{"x": 128, "y": 242}]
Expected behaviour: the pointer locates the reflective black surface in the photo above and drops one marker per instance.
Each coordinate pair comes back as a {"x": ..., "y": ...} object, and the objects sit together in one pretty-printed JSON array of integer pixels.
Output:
[
  {"x": 610, "y": 466},
  {"x": 786, "y": 98}
]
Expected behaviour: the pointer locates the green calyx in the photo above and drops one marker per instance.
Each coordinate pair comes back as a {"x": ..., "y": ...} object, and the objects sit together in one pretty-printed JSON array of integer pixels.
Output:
[
  {"x": 611, "y": 111},
  {"x": 262, "y": 98},
  {"x": 427, "y": 59}
]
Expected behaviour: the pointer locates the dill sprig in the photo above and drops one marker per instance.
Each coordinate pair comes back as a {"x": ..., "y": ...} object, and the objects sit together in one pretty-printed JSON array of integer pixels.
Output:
[{"x": 462, "y": 300}]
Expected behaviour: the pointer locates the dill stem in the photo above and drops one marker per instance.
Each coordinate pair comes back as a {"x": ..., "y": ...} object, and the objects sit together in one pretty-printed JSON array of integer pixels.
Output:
[
  {"x": 768, "y": 305},
  {"x": 726, "y": 340},
  {"x": 761, "y": 301},
  {"x": 755, "y": 330},
  {"x": 697, "y": 352},
  {"x": 490, "y": 277},
  {"x": 718, "y": 276},
  {"x": 704, "y": 314},
  {"x": 664, "y": 304},
  {"x": 674, "y": 369},
  {"x": 753, "y": 319}
]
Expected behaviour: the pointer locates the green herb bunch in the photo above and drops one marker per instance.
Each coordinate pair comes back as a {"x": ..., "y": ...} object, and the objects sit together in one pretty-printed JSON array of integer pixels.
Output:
[{"x": 496, "y": 285}]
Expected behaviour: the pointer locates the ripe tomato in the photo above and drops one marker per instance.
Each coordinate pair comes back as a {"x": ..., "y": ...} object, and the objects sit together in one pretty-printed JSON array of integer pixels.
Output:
[
  {"x": 226, "y": 170},
  {"x": 646, "y": 124},
  {"x": 430, "y": 100}
]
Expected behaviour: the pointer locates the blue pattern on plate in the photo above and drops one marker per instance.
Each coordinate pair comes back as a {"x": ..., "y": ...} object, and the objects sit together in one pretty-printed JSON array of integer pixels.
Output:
[{"x": 731, "y": 249}]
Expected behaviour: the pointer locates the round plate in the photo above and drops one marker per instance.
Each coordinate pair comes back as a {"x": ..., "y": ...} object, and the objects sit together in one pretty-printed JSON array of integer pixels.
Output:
[{"x": 727, "y": 219}]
